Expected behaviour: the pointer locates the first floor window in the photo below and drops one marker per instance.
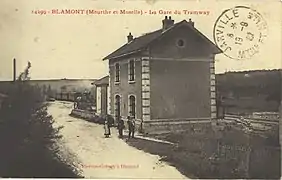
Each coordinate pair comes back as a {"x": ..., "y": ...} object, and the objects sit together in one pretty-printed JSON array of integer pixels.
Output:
[
  {"x": 117, "y": 72},
  {"x": 132, "y": 105},
  {"x": 131, "y": 70}
]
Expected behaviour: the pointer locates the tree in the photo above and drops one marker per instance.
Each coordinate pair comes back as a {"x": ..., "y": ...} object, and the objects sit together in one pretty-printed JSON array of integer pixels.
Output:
[
  {"x": 24, "y": 76},
  {"x": 49, "y": 91},
  {"x": 44, "y": 89},
  {"x": 27, "y": 137}
]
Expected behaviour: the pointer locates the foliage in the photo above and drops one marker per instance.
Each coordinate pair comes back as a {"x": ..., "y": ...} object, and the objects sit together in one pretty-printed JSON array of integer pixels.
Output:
[
  {"x": 254, "y": 90},
  {"x": 25, "y": 75},
  {"x": 27, "y": 136}
]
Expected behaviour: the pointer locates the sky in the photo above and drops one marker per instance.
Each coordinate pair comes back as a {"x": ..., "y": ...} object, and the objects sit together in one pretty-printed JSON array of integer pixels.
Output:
[{"x": 72, "y": 46}]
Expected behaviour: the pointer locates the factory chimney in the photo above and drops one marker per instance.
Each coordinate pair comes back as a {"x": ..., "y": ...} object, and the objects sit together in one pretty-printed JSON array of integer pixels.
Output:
[{"x": 14, "y": 70}]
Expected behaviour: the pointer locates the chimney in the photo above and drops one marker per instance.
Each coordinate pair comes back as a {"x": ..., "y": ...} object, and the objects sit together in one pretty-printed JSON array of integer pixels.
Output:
[
  {"x": 129, "y": 37},
  {"x": 14, "y": 70},
  {"x": 167, "y": 23},
  {"x": 191, "y": 22}
]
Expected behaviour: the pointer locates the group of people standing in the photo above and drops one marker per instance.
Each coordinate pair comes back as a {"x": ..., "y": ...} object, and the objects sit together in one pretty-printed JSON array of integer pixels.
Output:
[{"x": 120, "y": 126}]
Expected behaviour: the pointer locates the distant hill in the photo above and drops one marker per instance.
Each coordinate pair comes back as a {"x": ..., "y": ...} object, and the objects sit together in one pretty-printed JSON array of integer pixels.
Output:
[
  {"x": 56, "y": 85},
  {"x": 59, "y": 85},
  {"x": 258, "y": 90}
]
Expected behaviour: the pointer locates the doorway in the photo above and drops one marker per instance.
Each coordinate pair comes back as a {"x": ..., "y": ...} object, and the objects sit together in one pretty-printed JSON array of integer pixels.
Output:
[{"x": 117, "y": 108}]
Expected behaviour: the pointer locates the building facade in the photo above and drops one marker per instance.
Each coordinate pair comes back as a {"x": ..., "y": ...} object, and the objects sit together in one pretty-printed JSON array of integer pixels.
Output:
[
  {"x": 102, "y": 96},
  {"x": 165, "y": 79}
]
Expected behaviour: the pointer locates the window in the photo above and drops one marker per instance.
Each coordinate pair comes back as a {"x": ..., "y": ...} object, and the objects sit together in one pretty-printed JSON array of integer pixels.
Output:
[
  {"x": 132, "y": 105},
  {"x": 117, "y": 72},
  {"x": 131, "y": 70}
]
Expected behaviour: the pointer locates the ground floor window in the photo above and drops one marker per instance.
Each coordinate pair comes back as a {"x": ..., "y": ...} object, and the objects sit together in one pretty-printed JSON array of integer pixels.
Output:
[{"x": 132, "y": 106}]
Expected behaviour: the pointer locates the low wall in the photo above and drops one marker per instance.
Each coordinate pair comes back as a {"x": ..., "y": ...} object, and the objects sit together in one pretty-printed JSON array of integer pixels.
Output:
[
  {"x": 168, "y": 126},
  {"x": 83, "y": 114}
]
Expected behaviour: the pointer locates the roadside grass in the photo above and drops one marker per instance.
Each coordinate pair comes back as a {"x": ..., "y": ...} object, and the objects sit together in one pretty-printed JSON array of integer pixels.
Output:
[
  {"x": 204, "y": 155},
  {"x": 28, "y": 138}
]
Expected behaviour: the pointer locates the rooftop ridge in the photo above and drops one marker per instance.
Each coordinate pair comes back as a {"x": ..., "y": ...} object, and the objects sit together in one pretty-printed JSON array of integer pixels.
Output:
[{"x": 143, "y": 41}]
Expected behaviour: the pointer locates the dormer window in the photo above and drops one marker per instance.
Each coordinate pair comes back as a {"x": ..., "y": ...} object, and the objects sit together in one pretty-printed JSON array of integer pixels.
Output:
[
  {"x": 117, "y": 73},
  {"x": 131, "y": 70}
]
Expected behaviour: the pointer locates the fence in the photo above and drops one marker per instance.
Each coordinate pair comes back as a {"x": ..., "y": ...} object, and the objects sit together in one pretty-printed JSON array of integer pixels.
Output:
[
  {"x": 66, "y": 96},
  {"x": 248, "y": 120}
]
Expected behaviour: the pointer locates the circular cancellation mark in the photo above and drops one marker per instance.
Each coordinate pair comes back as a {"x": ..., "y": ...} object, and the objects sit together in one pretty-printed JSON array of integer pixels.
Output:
[{"x": 239, "y": 32}]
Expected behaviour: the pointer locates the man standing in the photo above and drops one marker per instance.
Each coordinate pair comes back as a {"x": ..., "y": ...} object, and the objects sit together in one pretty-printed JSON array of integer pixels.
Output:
[
  {"x": 107, "y": 129},
  {"x": 110, "y": 120},
  {"x": 131, "y": 126},
  {"x": 120, "y": 128}
]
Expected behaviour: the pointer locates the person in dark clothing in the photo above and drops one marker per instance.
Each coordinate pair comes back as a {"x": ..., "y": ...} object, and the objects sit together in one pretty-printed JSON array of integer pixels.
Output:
[
  {"x": 131, "y": 126},
  {"x": 120, "y": 127},
  {"x": 110, "y": 120},
  {"x": 107, "y": 129}
]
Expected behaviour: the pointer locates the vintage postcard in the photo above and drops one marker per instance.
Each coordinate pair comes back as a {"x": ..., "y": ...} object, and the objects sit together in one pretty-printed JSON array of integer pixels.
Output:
[{"x": 147, "y": 89}]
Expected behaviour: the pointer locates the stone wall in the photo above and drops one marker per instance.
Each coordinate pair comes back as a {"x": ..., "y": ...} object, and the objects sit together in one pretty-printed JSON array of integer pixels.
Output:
[{"x": 161, "y": 127}]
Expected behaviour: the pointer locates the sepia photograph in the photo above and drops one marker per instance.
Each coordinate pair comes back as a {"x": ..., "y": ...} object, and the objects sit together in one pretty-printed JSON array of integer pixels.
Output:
[{"x": 147, "y": 89}]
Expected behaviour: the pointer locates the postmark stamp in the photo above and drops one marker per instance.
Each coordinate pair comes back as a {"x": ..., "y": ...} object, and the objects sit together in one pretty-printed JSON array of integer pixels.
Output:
[{"x": 239, "y": 32}]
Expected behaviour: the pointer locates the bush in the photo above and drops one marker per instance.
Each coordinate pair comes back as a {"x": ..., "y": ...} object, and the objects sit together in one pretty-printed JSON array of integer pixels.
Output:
[{"x": 27, "y": 137}]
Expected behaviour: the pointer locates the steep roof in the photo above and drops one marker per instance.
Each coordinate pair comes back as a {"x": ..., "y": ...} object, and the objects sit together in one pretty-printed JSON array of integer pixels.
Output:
[{"x": 142, "y": 42}]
